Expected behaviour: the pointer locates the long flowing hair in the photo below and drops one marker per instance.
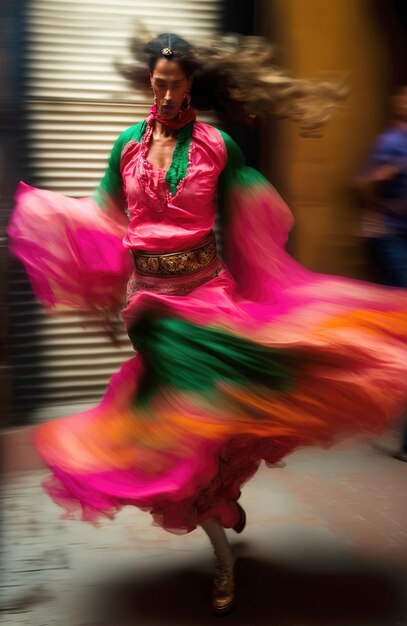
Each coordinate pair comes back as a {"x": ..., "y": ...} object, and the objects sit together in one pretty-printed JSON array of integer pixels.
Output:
[{"x": 238, "y": 78}]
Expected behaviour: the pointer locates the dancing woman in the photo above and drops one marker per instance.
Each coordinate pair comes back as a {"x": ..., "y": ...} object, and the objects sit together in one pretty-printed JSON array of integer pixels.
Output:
[{"x": 237, "y": 361}]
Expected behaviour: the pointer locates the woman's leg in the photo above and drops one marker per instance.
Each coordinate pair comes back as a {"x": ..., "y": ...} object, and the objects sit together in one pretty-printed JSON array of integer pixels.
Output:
[
  {"x": 223, "y": 589},
  {"x": 223, "y": 552}
]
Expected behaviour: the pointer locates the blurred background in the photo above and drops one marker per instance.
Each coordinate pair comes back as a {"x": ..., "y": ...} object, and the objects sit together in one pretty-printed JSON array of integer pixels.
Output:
[
  {"x": 63, "y": 104},
  {"x": 326, "y": 541}
]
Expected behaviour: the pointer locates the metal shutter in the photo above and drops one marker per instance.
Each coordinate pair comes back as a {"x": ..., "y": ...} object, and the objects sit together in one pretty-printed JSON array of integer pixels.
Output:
[{"x": 76, "y": 105}]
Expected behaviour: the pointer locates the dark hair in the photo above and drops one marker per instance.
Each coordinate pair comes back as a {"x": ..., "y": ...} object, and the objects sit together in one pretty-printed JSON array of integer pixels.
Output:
[
  {"x": 172, "y": 48},
  {"x": 211, "y": 86},
  {"x": 236, "y": 77}
]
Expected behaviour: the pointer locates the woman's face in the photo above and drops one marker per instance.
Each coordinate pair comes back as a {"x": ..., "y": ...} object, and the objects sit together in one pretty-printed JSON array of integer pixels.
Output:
[{"x": 170, "y": 85}]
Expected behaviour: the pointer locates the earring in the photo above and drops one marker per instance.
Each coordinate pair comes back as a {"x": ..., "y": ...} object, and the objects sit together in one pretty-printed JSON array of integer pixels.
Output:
[{"x": 186, "y": 103}]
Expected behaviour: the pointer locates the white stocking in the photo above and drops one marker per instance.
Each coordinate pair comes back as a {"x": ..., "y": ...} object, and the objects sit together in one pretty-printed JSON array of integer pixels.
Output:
[{"x": 223, "y": 552}]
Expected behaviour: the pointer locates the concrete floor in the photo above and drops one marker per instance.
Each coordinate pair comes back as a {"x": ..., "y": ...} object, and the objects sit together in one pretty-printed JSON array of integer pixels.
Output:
[{"x": 326, "y": 545}]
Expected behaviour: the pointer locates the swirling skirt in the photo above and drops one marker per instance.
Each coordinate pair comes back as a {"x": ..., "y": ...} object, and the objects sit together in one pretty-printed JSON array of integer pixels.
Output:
[{"x": 219, "y": 384}]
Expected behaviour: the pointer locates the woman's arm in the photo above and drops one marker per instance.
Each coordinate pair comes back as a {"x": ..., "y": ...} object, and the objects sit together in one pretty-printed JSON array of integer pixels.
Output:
[
  {"x": 256, "y": 224},
  {"x": 235, "y": 162},
  {"x": 109, "y": 195},
  {"x": 72, "y": 251}
]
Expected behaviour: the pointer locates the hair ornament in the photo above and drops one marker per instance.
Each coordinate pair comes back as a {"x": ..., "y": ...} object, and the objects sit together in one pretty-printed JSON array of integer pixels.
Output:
[{"x": 167, "y": 52}]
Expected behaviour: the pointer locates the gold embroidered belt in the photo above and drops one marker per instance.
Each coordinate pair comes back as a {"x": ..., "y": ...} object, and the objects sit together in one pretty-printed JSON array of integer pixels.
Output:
[{"x": 177, "y": 263}]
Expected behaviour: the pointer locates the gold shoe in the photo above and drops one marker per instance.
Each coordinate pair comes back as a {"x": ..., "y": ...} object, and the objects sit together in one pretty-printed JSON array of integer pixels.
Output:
[
  {"x": 241, "y": 523},
  {"x": 223, "y": 592}
]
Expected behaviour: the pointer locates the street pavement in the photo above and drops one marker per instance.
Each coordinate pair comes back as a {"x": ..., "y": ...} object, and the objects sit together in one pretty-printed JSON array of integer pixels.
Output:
[{"x": 325, "y": 545}]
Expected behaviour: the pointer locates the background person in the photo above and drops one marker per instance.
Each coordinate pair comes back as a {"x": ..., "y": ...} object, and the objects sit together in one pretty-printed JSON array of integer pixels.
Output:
[{"x": 383, "y": 185}]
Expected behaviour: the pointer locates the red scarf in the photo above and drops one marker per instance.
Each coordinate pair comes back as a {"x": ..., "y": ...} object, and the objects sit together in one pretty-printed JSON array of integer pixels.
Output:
[{"x": 183, "y": 118}]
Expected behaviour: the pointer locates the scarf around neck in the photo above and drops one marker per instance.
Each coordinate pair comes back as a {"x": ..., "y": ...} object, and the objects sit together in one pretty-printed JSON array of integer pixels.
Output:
[{"x": 183, "y": 118}]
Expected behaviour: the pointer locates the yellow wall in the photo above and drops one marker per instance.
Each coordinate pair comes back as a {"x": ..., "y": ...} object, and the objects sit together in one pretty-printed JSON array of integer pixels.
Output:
[{"x": 316, "y": 36}]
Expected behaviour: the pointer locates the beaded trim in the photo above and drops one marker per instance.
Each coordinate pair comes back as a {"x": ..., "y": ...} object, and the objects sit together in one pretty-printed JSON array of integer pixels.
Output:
[{"x": 176, "y": 263}]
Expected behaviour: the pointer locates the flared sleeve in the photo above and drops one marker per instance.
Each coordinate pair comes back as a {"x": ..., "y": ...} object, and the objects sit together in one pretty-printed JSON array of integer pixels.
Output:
[
  {"x": 72, "y": 248},
  {"x": 257, "y": 223}
]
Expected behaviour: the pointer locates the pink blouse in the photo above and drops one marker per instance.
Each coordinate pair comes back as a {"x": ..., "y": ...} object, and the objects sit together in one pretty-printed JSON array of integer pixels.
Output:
[{"x": 162, "y": 222}]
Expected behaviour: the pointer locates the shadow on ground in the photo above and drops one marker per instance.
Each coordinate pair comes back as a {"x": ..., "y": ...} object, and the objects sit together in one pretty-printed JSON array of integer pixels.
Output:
[{"x": 266, "y": 594}]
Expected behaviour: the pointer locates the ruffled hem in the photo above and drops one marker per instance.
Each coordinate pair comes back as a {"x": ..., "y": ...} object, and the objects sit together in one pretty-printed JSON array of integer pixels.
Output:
[{"x": 233, "y": 465}]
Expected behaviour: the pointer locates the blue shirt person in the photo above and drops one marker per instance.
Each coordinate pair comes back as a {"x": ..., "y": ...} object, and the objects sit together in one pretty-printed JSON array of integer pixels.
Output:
[{"x": 383, "y": 186}]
